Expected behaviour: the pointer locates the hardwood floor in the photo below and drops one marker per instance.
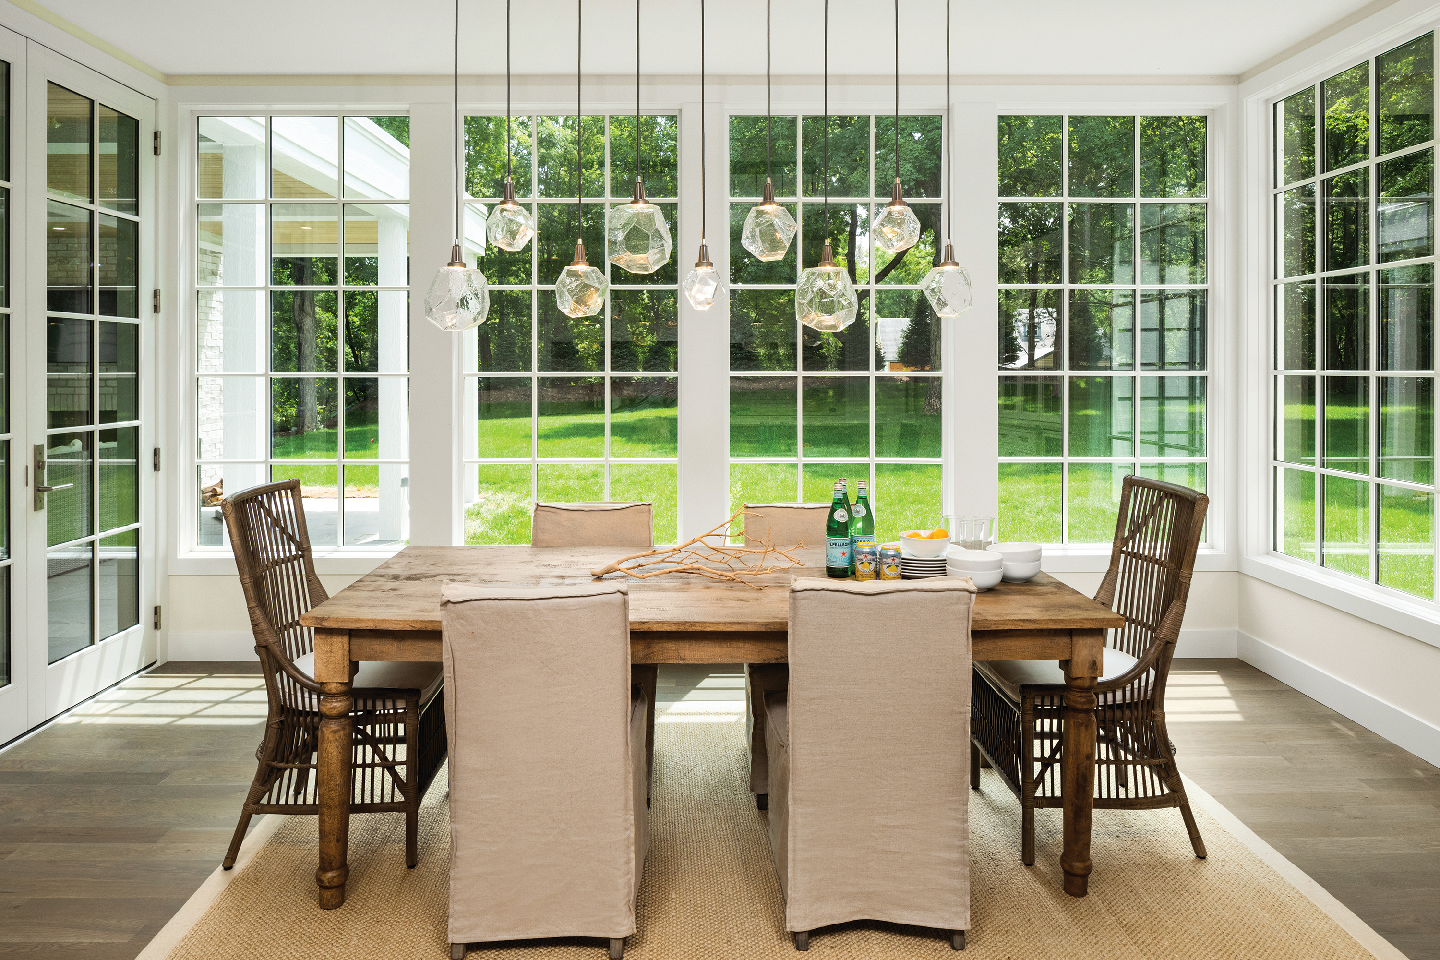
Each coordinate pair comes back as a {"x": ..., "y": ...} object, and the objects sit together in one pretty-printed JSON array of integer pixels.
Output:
[{"x": 111, "y": 817}]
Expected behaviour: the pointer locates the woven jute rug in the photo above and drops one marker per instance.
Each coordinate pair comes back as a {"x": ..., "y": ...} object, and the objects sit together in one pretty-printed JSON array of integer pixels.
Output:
[{"x": 709, "y": 889}]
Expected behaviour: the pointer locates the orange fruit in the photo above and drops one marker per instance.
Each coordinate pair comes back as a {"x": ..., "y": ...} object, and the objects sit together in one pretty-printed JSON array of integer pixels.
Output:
[{"x": 937, "y": 534}]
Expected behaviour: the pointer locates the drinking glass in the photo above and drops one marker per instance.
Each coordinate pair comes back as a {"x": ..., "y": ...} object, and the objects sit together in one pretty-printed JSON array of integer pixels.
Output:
[{"x": 973, "y": 533}]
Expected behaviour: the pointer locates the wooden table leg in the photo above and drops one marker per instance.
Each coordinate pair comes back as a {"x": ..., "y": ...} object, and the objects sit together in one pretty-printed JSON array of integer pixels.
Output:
[
  {"x": 1077, "y": 754},
  {"x": 332, "y": 669}
]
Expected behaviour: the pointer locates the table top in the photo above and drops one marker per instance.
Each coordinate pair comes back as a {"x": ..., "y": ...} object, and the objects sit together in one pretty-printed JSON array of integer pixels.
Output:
[{"x": 403, "y": 593}]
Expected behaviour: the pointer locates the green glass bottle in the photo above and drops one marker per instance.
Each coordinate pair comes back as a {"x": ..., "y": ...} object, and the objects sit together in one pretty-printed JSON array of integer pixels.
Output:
[
  {"x": 862, "y": 520},
  {"x": 837, "y": 536},
  {"x": 850, "y": 509}
]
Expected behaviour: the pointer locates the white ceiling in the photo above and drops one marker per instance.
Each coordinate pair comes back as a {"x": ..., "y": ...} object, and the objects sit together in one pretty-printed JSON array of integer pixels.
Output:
[{"x": 411, "y": 37}]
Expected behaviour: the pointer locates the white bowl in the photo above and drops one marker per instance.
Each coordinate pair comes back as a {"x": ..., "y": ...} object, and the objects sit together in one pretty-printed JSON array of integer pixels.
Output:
[
  {"x": 1020, "y": 572},
  {"x": 922, "y": 546},
  {"x": 961, "y": 559},
  {"x": 983, "y": 579},
  {"x": 1015, "y": 552}
]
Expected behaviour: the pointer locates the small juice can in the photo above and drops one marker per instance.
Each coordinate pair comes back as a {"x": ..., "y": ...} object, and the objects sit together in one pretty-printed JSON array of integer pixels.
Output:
[
  {"x": 867, "y": 560},
  {"x": 889, "y": 563}
]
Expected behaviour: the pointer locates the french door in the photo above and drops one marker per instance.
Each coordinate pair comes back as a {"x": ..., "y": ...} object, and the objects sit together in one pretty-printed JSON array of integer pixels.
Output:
[{"x": 80, "y": 330}]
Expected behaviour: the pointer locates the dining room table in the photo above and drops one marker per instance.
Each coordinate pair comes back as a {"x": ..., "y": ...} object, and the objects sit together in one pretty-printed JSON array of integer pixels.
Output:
[{"x": 394, "y": 613}]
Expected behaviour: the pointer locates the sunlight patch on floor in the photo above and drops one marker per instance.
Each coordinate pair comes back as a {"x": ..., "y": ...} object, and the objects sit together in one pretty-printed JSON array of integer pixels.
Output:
[{"x": 178, "y": 699}]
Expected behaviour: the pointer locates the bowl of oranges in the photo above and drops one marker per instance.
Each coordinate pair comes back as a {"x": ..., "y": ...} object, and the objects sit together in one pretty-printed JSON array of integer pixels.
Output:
[{"x": 925, "y": 543}]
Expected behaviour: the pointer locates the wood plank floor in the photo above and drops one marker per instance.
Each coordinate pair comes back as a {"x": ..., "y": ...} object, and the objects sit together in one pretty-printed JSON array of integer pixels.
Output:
[{"x": 112, "y": 817}]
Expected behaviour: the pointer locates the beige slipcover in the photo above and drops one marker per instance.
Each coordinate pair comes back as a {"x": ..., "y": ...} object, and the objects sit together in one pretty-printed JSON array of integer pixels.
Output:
[
  {"x": 548, "y": 823},
  {"x": 787, "y": 524},
  {"x": 592, "y": 525},
  {"x": 869, "y": 751}
]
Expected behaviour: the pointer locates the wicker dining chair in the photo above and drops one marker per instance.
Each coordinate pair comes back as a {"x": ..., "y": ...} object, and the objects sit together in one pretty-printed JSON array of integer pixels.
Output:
[
  {"x": 786, "y": 525},
  {"x": 398, "y": 715},
  {"x": 1017, "y": 705}
]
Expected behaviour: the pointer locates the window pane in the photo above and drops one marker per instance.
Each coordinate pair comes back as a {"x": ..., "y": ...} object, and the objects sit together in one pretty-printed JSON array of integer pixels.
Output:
[
  {"x": 762, "y": 330},
  {"x": 744, "y": 268},
  {"x": 669, "y": 272},
  {"x": 555, "y": 240},
  {"x": 303, "y": 238},
  {"x": 231, "y": 335},
  {"x": 1347, "y": 526},
  {"x": 1296, "y": 420},
  {"x": 655, "y": 483},
  {"x": 1407, "y": 429},
  {"x": 1347, "y": 117},
  {"x": 1029, "y": 328},
  {"x": 1030, "y": 501},
  {"x": 68, "y": 261},
  {"x": 658, "y": 154},
  {"x": 1172, "y": 243},
  {"x": 907, "y": 497},
  {"x": 1347, "y": 424},
  {"x": 376, "y": 327},
  {"x": 557, "y": 160},
  {"x": 850, "y": 350},
  {"x": 377, "y": 244},
  {"x": 757, "y": 483},
  {"x": 848, "y": 231},
  {"x": 304, "y": 157},
  {"x": 1347, "y": 309},
  {"x": 67, "y": 586},
  {"x": 571, "y": 420},
  {"x": 486, "y": 160},
  {"x": 232, "y": 244},
  {"x": 230, "y": 164},
  {"x": 748, "y": 150},
  {"x": 377, "y": 501},
  {"x": 1030, "y": 423},
  {"x": 1030, "y": 243},
  {"x": 232, "y": 421},
  {"x": 319, "y": 496},
  {"x": 302, "y": 330},
  {"x": 1295, "y": 326},
  {"x": 374, "y": 418},
  {"x": 1295, "y": 238},
  {"x": 119, "y": 161},
  {"x": 68, "y": 146},
  {"x": 1295, "y": 137},
  {"x": 1407, "y": 540},
  {"x": 1405, "y": 100},
  {"x": 1102, "y": 329},
  {"x": 119, "y": 400},
  {"x": 643, "y": 331},
  {"x": 1406, "y": 208},
  {"x": 571, "y": 482},
  {"x": 1295, "y": 513},
  {"x": 1190, "y": 475},
  {"x": 1172, "y": 416},
  {"x": 377, "y": 158},
  {"x": 907, "y": 417},
  {"x": 920, "y": 155},
  {"x": 569, "y": 343},
  {"x": 119, "y": 267},
  {"x": 836, "y": 416},
  {"x": 4, "y": 253},
  {"x": 1093, "y": 501},
  {"x": 1172, "y": 157},
  {"x": 504, "y": 267},
  {"x": 68, "y": 512},
  {"x": 909, "y": 266},
  {"x": 643, "y": 419},
  {"x": 1102, "y": 156},
  {"x": 1030, "y": 149},
  {"x": 1172, "y": 329},
  {"x": 907, "y": 332},
  {"x": 1102, "y": 243},
  {"x": 503, "y": 340},
  {"x": 818, "y": 479},
  {"x": 1407, "y": 318},
  {"x": 504, "y": 419},
  {"x": 119, "y": 583},
  {"x": 303, "y": 418},
  {"x": 1102, "y": 416},
  {"x": 1347, "y": 220},
  {"x": 762, "y": 420},
  {"x": 500, "y": 513},
  {"x": 119, "y": 478},
  {"x": 849, "y": 156},
  {"x": 69, "y": 365}
]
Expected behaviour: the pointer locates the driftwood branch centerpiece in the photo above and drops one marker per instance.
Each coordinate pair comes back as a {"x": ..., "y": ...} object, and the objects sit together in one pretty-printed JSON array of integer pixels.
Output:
[{"x": 709, "y": 555}]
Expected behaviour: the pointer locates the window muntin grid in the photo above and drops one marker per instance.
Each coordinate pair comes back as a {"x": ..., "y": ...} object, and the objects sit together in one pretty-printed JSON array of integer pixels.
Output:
[
  {"x": 1352, "y": 468},
  {"x": 562, "y": 409},
  {"x": 1103, "y": 222},
  {"x": 302, "y": 319},
  {"x": 806, "y": 407}
]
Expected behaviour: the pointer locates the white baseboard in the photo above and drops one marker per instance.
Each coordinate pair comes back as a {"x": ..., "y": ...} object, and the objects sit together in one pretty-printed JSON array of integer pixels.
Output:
[
  {"x": 211, "y": 645},
  {"x": 1207, "y": 643},
  {"x": 1400, "y": 728}
]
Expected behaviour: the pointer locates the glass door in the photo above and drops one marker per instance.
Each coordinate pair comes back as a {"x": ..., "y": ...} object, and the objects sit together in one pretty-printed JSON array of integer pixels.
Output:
[{"x": 14, "y": 713}]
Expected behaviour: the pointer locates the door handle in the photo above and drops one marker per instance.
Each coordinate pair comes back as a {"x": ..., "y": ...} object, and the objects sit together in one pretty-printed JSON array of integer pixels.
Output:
[
  {"x": 40, "y": 488},
  {"x": 63, "y": 486}
]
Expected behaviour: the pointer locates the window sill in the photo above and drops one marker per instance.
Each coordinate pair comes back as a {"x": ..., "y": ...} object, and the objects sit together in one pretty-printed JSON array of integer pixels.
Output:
[
  {"x": 1376, "y": 604},
  {"x": 1095, "y": 558}
]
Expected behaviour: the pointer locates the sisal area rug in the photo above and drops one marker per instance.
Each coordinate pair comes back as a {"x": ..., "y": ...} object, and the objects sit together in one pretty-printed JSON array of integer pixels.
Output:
[{"x": 709, "y": 889}]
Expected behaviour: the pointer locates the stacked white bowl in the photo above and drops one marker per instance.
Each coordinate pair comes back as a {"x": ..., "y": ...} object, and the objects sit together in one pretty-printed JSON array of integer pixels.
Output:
[
  {"x": 982, "y": 566},
  {"x": 1020, "y": 561}
]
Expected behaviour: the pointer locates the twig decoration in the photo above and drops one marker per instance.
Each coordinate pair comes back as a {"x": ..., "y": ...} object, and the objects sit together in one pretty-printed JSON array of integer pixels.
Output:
[{"x": 701, "y": 557}]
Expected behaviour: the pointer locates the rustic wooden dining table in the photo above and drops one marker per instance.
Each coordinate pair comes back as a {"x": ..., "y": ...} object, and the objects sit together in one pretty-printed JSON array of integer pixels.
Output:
[{"x": 393, "y": 613}]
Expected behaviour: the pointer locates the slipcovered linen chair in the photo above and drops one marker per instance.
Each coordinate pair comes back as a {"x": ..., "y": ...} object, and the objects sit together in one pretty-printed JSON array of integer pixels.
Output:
[
  {"x": 869, "y": 818},
  {"x": 548, "y": 825},
  {"x": 786, "y": 524},
  {"x": 399, "y": 708},
  {"x": 1018, "y": 704}
]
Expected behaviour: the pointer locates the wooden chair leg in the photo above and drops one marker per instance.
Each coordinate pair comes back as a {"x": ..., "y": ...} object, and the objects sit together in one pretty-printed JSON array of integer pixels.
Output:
[
  {"x": 802, "y": 939},
  {"x": 236, "y": 840},
  {"x": 762, "y": 801},
  {"x": 457, "y": 951},
  {"x": 412, "y": 835},
  {"x": 1027, "y": 835},
  {"x": 957, "y": 940},
  {"x": 617, "y": 948},
  {"x": 1195, "y": 842},
  {"x": 974, "y": 767}
]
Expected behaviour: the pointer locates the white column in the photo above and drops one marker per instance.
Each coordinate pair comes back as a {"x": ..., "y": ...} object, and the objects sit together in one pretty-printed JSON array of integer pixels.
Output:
[
  {"x": 435, "y": 382},
  {"x": 393, "y": 325},
  {"x": 244, "y": 319}
]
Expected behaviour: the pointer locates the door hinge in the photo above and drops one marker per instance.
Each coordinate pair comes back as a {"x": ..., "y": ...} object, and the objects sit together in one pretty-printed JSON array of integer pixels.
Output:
[
  {"x": 157, "y": 618},
  {"x": 156, "y": 460},
  {"x": 155, "y": 300},
  {"x": 157, "y": 143}
]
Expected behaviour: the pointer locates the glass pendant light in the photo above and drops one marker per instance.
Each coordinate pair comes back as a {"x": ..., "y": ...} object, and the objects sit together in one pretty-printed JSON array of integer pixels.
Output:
[
  {"x": 897, "y": 228},
  {"x": 459, "y": 297},
  {"x": 637, "y": 234},
  {"x": 769, "y": 228},
  {"x": 702, "y": 287},
  {"x": 825, "y": 297},
  {"x": 510, "y": 226},
  {"x": 580, "y": 289},
  {"x": 947, "y": 286}
]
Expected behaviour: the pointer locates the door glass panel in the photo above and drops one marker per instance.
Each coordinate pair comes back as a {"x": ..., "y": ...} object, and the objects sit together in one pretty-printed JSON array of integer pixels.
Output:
[
  {"x": 67, "y": 574},
  {"x": 68, "y": 366},
  {"x": 68, "y": 258},
  {"x": 119, "y": 586},
  {"x": 119, "y": 396},
  {"x": 119, "y": 478},
  {"x": 119, "y": 267},
  {"x": 68, "y": 511},
  {"x": 68, "y": 128},
  {"x": 119, "y": 158}
]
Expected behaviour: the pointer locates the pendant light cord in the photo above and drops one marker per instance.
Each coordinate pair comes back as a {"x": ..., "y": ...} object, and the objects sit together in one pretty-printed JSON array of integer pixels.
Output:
[
  {"x": 827, "y": 120},
  {"x": 455, "y": 137},
  {"x": 509, "y": 173},
  {"x": 897, "y": 89},
  {"x": 767, "y": 86},
  {"x": 638, "y": 178},
  {"x": 579, "y": 187},
  {"x": 949, "y": 148},
  {"x": 703, "y": 204}
]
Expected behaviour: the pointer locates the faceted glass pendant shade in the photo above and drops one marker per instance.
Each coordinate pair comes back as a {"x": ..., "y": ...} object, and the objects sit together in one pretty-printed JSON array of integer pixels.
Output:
[
  {"x": 510, "y": 226},
  {"x": 825, "y": 297},
  {"x": 580, "y": 289},
  {"x": 638, "y": 236},
  {"x": 897, "y": 228},
  {"x": 459, "y": 297},
  {"x": 702, "y": 285},
  {"x": 947, "y": 287},
  {"x": 768, "y": 229}
]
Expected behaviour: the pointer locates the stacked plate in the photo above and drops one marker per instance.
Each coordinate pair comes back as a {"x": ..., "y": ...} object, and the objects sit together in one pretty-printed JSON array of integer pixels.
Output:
[{"x": 918, "y": 568}]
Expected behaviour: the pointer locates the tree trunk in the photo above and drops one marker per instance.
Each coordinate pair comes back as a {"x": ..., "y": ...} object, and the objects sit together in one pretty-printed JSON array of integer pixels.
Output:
[{"x": 303, "y": 308}]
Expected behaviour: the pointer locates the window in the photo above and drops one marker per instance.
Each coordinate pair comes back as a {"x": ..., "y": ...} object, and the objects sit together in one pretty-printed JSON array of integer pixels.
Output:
[
  {"x": 302, "y": 319},
  {"x": 1103, "y": 316},
  {"x": 1354, "y": 384},
  {"x": 866, "y": 403},
  {"x": 569, "y": 409},
  {"x": 6, "y": 557}
]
